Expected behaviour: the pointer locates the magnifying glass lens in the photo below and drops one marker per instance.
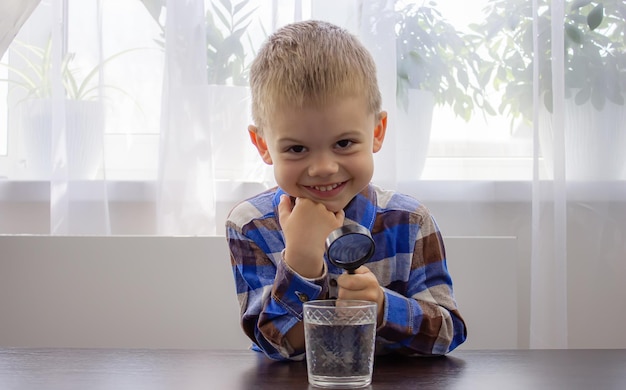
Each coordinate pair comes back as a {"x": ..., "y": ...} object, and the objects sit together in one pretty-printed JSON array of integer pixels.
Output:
[{"x": 349, "y": 247}]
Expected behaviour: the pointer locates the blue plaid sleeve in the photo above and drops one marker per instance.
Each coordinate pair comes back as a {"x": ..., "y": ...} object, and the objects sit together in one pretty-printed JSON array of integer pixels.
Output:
[
  {"x": 421, "y": 315},
  {"x": 270, "y": 294}
]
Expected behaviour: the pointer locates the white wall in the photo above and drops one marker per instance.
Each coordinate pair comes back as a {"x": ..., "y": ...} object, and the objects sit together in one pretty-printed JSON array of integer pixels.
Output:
[
  {"x": 178, "y": 292},
  {"x": 142, "y": 292}
]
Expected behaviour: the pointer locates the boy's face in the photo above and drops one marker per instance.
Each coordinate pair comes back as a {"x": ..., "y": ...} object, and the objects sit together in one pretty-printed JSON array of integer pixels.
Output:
[{"x": 323, "y": 154}]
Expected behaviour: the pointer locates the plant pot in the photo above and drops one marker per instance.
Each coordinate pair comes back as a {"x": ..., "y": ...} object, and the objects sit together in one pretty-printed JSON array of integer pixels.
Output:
[
  {"x": 84, "y": 122},
  {"x": 595, "y": 141},
  {"x": 413, "y": 134}
]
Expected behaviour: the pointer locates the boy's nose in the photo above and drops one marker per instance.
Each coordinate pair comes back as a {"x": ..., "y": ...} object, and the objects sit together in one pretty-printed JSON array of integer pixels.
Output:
[{"x": 323, "y": 166}]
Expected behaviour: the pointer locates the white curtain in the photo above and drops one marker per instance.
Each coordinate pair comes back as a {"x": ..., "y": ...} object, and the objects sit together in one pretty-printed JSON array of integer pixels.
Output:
[
  {"x": 548, "y": 303},
  {"x": 13, "y": 14},
  {"x": 193, "y": 161},
  {"x": 578, "y": 254},
  {"x": 185, "y": 192}
]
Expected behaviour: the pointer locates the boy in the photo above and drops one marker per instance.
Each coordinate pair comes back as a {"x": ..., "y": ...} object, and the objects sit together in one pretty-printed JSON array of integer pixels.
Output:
[{"x": 317, "y": 117}]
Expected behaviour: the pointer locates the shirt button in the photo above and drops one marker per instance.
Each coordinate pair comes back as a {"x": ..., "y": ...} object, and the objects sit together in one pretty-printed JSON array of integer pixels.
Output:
[
  {"x": 302, "y": 297},
  {"x": 333, "y": 283}
]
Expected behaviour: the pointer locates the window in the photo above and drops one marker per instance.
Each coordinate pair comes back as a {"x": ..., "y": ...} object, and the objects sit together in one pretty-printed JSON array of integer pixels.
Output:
[
  {"x": 170, "y": 138},
  {"x": 482, "y": 148}
]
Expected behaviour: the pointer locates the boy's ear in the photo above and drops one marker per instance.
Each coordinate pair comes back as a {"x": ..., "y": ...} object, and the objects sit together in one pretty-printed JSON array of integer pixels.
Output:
[
  {"x": 379, "y": 131},
  {"x": 260, "y": 144}
]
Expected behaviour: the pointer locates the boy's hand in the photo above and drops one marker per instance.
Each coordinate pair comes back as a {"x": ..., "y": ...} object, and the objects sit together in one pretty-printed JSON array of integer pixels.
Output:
[
  {"x": 362, "y": 285},
  {"x": 305, "y": 225}
]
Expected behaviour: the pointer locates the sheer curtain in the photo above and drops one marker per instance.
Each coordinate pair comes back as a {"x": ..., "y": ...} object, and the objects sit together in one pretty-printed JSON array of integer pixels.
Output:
[
  {"x": 14, "y": 14},
  {"x": 186, "y": 199},
  {"x": 578, "y": 224},
  {"x": 181, "y": 159}
]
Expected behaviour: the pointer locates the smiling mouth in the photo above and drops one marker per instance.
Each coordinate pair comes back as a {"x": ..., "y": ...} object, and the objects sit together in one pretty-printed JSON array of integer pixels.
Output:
[{"x": 325, "y": 188}]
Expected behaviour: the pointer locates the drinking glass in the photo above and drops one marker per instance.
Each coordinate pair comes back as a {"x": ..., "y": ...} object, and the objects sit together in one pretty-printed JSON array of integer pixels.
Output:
[{"x": 339, "y": 337}]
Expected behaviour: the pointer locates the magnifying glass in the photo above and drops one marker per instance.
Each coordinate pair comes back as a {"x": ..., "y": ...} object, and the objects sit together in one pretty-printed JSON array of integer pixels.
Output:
[{"x": 349, "y": 247}]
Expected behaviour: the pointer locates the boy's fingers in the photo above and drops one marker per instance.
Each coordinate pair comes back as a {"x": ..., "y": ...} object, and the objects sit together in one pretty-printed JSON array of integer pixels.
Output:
[
  {"x": 284, "y": 207},
  {"x": 340, "y": 215},
  {"x": 361, "y": 270},
  {"x": 357, "y": 281}
]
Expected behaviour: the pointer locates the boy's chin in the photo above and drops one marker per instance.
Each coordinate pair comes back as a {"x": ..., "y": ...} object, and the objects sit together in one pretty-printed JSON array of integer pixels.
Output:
[{"x": 334, "y": 206}]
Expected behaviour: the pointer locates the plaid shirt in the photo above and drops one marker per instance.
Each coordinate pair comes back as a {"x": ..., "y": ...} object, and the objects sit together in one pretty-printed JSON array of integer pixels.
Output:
[{"x": 421, "y": 316}]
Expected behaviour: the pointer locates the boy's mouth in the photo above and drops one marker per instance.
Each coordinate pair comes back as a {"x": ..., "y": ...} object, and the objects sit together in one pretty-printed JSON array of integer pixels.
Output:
[{"x": 326, "y": 189}]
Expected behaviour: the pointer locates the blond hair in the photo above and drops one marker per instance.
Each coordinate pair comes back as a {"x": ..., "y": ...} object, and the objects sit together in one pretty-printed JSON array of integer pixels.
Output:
[{"x": 311, "y": 62}]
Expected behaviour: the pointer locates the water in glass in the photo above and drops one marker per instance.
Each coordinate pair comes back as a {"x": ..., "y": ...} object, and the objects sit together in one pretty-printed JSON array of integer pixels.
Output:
[{"x": 340, "y": 343}]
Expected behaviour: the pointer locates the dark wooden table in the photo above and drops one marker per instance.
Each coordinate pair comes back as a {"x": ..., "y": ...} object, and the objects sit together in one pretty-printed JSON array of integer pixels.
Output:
[{"x": 120, "y": 369}]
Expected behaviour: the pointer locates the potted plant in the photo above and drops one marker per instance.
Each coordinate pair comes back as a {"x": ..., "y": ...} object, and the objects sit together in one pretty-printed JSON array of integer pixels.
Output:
[
  {"x": 435, "y": 66},
  {"x": 227, "y": 26},
  {"x": 31, "y": 82},
  {"x": 228, "y": 65},
  {"x": 35, "y": 80},
  {"x": 432, "y": 55},
  {"x": 594, "y": 75}
]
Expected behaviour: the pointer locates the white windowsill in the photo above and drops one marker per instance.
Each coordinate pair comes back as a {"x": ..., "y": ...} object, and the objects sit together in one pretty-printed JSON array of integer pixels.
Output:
[{"x": 230, "y": 191}]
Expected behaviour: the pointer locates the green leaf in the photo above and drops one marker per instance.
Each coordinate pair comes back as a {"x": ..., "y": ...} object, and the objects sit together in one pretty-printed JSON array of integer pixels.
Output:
[
  {"x": 595, "y": 16},
  {"x": 154, "y": 8},
  {"x": 227, "y": 5},
  {"x": 243, "y": 19},
  {"x": 616, "y": 98},
  {"x": 577, "y": 4},
  {"x": 489, "y": 108},
  {"x": 573, "y": 33},
  {"x": 221, "y": 16},
  {"x": 239, "y": 6},
  {"x": 547, "y": 101},
  {"x": 597, "y": 99},
  {"x": 463, "y": 78},
  {"x": 582, "y": 96}
]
